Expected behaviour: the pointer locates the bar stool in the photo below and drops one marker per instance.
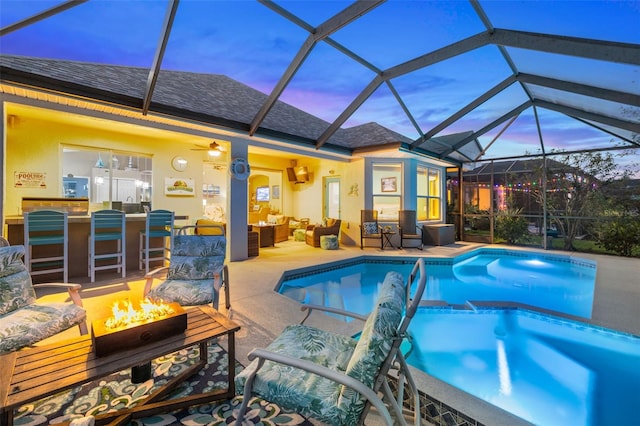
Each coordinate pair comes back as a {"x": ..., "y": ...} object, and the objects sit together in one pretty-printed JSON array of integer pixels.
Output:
[
  {"x": 47, "y": 228},
  {"x": 159, "y": 225},
  {"x": 108, "y": 225}
]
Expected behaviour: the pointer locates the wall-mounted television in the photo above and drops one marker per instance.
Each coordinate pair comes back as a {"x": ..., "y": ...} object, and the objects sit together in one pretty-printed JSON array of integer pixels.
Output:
[
  {"x": 298, "y": 174},
  {"x": 262, "y": 193}
]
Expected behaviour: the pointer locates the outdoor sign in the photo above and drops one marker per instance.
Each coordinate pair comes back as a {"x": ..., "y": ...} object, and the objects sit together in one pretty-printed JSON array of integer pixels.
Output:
[{"x": 30, "y": 180}]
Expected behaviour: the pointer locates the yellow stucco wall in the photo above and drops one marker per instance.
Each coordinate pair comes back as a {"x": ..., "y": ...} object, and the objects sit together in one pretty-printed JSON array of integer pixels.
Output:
[{"x": 35, "y": 145}]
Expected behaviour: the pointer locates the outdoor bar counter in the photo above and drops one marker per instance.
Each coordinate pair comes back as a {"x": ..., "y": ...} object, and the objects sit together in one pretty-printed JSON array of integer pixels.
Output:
[{"x": 79, "y": 227}]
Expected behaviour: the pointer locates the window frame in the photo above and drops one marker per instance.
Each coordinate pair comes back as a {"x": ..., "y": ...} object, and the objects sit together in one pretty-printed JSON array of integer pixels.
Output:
[{"x": 427, "y": 203}]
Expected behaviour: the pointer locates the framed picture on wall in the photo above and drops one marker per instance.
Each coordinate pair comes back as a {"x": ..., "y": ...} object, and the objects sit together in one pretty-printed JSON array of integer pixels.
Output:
[
  {"x": 262, "y": 193},
  {"x": 389, "y": 184},
  {"x": 275, "y": 192},
  {"x": 181, "y": 187}
]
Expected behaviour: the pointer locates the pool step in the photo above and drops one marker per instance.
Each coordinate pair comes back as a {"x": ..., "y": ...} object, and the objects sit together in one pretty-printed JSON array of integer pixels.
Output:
[
  {"x": 481, "y": 260},
  {"x": 473, "y": 267}
]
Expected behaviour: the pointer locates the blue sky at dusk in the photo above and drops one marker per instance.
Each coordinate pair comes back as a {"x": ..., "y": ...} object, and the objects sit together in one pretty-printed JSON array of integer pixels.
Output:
[{"x": 248, "y": 42}]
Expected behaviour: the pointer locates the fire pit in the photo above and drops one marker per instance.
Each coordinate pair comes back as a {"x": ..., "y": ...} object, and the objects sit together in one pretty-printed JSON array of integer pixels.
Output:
[{"x": 131, "y": 327}]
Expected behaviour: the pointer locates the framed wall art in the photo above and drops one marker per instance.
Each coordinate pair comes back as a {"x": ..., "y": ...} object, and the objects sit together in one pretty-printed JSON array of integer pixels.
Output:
[
  {"x": 182, "y": 187},
  {"x": 389, "y": 184}
]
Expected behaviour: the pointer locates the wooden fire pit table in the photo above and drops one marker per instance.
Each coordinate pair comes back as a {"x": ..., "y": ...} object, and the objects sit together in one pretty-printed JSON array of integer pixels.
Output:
[{"x": 34, "y": 373}]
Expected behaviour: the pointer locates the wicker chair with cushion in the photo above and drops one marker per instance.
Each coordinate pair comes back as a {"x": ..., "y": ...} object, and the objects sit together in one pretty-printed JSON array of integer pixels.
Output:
[
  {"x": 335, "y": 378},
  {"x": 259, "y": 215},
  {"x": 369, "y": 227},
  {"x": 209, "y": 227},
  {"x": 298, "y": 224},
  {"x": 280, "y": 227},
  {"x": 408, "y": 228},
  {"x": 314, "y": 232},
  {"x": 23, "y": 320}
]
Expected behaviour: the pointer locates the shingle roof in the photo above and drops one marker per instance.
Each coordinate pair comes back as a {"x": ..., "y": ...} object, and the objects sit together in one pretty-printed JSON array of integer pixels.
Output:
[
  {"x": 219, "y": 98},
  {"x": 371, "y": 134}
]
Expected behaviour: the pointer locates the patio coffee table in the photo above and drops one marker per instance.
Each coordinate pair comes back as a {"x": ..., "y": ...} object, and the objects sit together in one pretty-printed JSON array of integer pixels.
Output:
[{"x": 34, "y": 373}]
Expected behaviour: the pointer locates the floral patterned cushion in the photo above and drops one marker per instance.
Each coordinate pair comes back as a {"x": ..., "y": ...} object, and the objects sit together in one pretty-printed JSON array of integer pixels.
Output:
[
  {"x": 186, "y": 292},
  {"x": 194, "y": 270},
  {"x": 376, "y": 337},
  {"x": 16, "y": 290},
  {"x": 306, "y": 393},
  {"x": 329, "y": 242},
  {"x": 317, "y": 397},
  {"x": 196, "y": 257},
  {"x": 370, "y": 227},
  {"x": 30, "y": 324}
]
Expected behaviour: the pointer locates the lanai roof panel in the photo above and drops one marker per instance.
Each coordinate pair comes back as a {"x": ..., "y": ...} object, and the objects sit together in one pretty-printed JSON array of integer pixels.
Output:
[{"x": 418, "y": 62}]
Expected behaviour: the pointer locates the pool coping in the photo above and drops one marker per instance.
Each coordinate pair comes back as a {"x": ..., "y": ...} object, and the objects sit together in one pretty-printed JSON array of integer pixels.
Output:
[{"x": 433, "y": 260}]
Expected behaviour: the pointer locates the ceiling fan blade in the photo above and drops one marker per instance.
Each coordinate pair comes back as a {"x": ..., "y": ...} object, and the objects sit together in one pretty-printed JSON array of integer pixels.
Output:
[{"x": 213, "y": 146}]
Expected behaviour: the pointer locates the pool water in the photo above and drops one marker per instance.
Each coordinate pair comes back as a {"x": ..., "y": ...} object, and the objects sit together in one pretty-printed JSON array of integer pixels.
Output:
[
  {"x": 557, "y": 283},
  {"x": 541, "y": 368},
  {"x": 546, "y": 370}
]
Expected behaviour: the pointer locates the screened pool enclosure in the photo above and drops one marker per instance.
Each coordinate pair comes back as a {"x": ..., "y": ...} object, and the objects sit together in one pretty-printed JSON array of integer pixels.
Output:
[{"x": 498, "y": 88}]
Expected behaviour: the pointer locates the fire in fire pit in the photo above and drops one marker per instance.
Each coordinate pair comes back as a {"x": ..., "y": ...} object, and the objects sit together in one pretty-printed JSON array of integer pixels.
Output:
[
  {"x": 131, "y": 327},
  {"x": 127, "y": 315}
]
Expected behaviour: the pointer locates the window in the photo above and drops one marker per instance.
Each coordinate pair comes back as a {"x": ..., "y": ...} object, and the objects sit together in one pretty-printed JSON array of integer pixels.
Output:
[
  {"x": 103, "y": 175},
  {"x": 387, "y": 190},
  {"x": 429, "y": 184}
]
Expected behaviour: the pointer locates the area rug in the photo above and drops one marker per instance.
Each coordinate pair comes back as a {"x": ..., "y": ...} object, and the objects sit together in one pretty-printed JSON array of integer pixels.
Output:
[{"x": 116, "y": 392}]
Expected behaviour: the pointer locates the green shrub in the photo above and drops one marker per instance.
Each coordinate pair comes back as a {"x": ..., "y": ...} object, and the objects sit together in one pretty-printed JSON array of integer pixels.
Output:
[
  {"x": 510, "y": 226},
  {"x": 621, "y": 236}
]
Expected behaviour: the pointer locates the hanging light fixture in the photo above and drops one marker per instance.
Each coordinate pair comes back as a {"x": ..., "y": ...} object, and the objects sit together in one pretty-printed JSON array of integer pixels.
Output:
[
  {"x": 214, "y": 149},
  {"x": 99, "y": 162}
]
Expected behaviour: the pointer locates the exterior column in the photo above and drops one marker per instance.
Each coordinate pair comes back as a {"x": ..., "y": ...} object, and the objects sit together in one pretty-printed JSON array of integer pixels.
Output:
[
  {"x": 237, "y": 208},
  {"x": 3, "y": 150}
]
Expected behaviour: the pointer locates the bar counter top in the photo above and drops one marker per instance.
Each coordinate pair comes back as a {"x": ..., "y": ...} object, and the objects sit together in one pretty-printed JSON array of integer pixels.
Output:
[{"x": 86, "y": 218}]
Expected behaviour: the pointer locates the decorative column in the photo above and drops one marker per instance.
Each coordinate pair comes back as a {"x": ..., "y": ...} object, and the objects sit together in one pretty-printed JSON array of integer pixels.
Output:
[{"x": 237, "y": 199}]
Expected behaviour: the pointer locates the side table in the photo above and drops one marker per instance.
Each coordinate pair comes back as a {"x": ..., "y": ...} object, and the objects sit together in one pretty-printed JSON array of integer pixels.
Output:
[
  {"x": 267, "y": 237},
  {"x": 386, "y": 236}
]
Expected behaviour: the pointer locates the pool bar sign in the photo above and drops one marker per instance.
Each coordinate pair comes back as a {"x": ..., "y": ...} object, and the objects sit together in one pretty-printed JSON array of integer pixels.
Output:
[
  {"x": 30, "y": 180},
  {"x": 179, "y": 186}
]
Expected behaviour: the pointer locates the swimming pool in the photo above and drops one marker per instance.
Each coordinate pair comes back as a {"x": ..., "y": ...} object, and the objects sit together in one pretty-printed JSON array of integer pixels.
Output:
[
  {"x": 556, "y": 282},
  {"x": 489, "y": 353},
  {"x": 546, "y": 370}
]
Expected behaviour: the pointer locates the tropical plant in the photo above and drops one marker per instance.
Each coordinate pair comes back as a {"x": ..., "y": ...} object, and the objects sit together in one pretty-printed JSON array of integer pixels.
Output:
[{"x": 511, "y": 226}]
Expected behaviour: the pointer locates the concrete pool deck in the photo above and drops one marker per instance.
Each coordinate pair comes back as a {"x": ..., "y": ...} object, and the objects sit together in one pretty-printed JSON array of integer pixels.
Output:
[{"x": 263, "y": 313}]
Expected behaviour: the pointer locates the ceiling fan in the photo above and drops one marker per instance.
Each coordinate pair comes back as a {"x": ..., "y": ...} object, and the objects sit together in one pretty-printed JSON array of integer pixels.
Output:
[{"x": 214, "y": 149}]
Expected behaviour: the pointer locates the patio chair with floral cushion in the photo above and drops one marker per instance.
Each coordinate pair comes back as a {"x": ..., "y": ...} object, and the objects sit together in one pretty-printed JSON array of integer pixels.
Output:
[
  {"x": 369, "y": 227},
  {"x": 335, "y": 378},
  {"x": 196, "y": 271},
  {"x": 24, "y": 320}
]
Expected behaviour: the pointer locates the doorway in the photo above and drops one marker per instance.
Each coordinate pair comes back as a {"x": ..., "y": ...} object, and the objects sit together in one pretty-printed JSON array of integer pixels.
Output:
[{"x": 331, "y": 197}]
